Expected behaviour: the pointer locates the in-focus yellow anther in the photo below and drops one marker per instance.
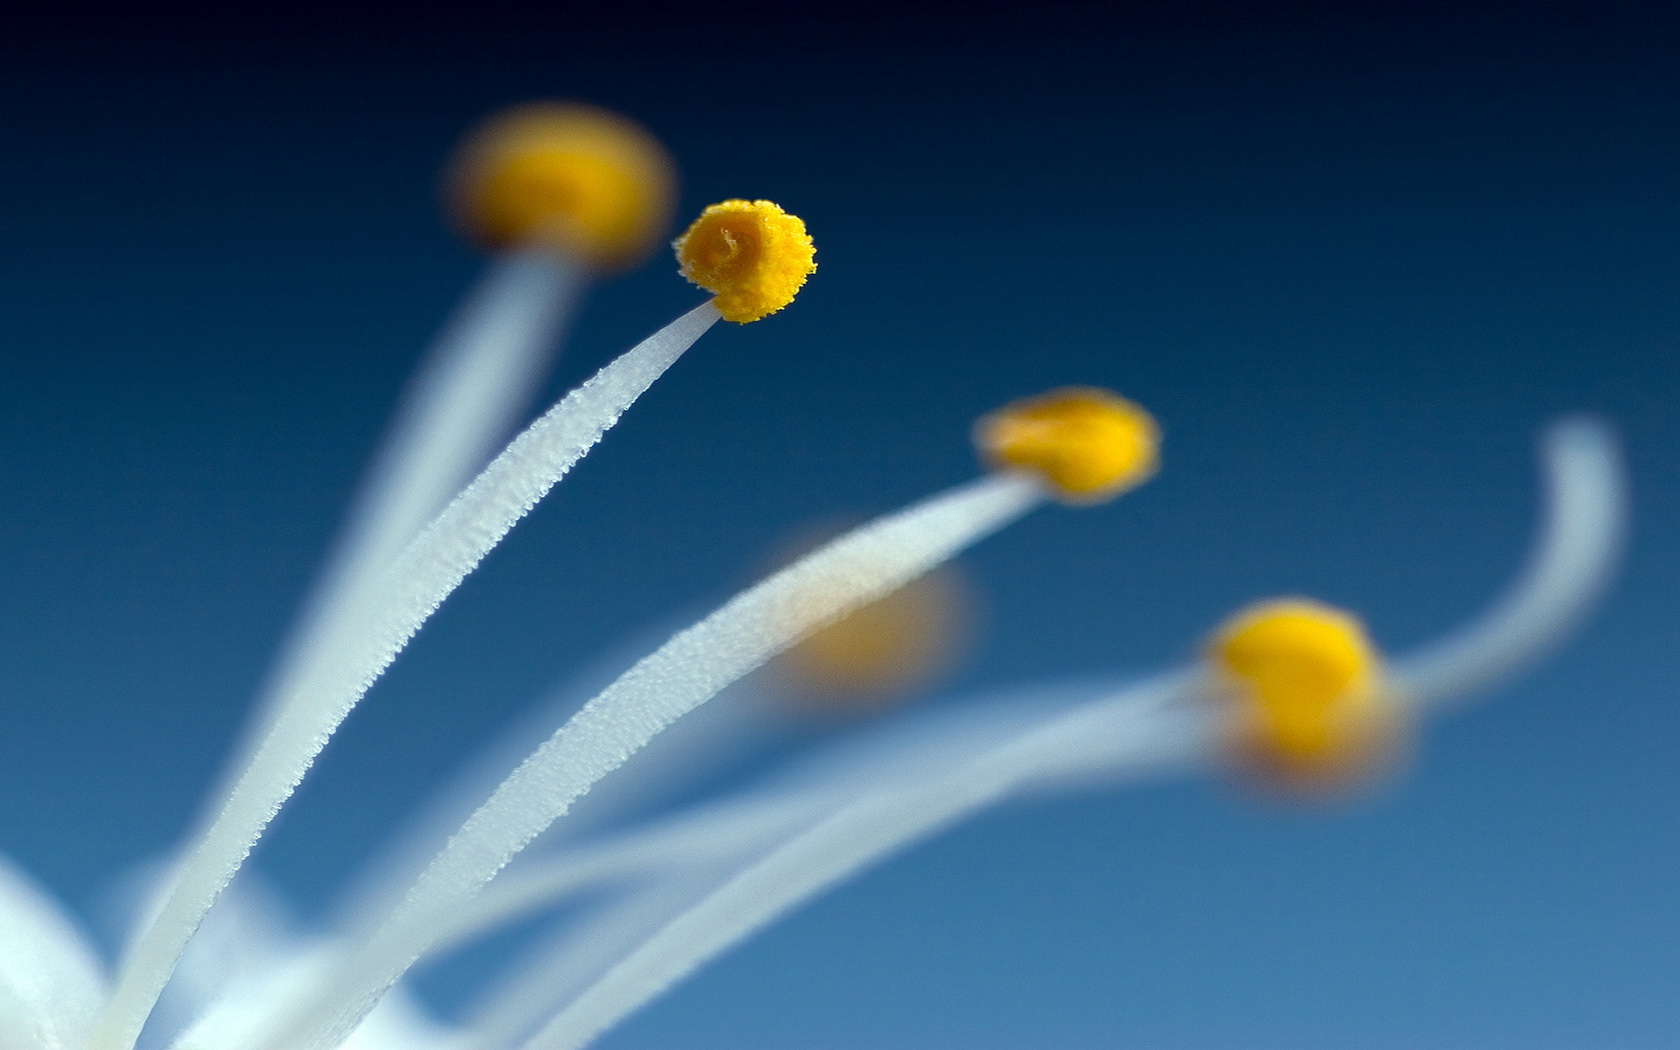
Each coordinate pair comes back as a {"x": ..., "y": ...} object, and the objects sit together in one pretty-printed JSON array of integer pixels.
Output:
[
  {"x": 751, "y": 254},
  {"x": 1312, "y": 707},
  {"x": 582, "y": 180},
  {"x": 1088, "y": 444}
]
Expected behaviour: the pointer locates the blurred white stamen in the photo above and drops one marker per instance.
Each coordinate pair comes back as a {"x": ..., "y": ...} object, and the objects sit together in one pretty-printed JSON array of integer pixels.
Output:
[
  {"x": 1577, "y": 547},
  {"x": 1138, "y": 730},
  {"x": 728, "y": 831},
  {"x": 467, "y": 395},
  {"x": 1584, "y": 519},
  {"x": 720, "y": 833},
  {"x": 568, "y": 961}
]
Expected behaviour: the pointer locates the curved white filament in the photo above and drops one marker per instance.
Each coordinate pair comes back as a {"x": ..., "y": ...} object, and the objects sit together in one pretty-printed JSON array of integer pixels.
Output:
[
  {"x": 716, "y": 835},
  {"x": 567, "y": 961},
  {"x": 1141, "y": 729},
  {"x": 470, "y": 527},
  {"x": 1581, "y": 536},
  {"x": 1584, "y": 519},
  {"x": 369, "y": 623}
]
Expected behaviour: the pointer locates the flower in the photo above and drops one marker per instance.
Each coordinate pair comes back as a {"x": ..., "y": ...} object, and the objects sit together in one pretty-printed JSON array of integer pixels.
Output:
[{"x": 409, "y": 545}]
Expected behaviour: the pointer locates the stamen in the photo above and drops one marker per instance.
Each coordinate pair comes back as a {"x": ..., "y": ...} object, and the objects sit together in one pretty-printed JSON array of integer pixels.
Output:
[
  {"x": 422, "y": 577},
  {"x": 468, "y": 391},
  {"x": 752, "y": 254},
  {"x": 566, "y": 177},
  {"x": 682, "y": 674},
  {"x": 718, "y": 833},
  {"x": 1088, "y": 444},
  {"x": 1135, "y": 731},
  {"x": 379, "y": 606},
  {"x": 1584, "y": 524},
  {"x": 1309, "y": 663},
  {"x": 1311, "y": 706},
  {"x": 516, "y": 481}
]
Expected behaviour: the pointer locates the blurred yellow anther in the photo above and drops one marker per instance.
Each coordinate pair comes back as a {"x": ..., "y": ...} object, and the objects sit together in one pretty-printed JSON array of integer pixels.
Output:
[
  {"x": 581, "y": 180},
  {"x": 751, "y": 254},
  {"x": 1087, "y": 444},
  {"x": 1312, "y": 707},
  {"x": 882, "y": 652}
]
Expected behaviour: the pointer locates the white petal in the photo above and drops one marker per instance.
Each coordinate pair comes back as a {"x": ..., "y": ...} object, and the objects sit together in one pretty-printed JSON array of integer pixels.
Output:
[{"x": 51, "y": 981}]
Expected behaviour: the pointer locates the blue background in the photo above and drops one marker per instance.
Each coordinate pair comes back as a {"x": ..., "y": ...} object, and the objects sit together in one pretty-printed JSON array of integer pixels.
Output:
[{"x": 1352, "y": 257}]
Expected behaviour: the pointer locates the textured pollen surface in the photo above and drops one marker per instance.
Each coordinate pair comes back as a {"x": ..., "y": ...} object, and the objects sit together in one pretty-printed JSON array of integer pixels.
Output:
[
  {"x": 1308, "y": 682},
  {"x": 1088, "y": 444},
  {"x": 751, "y": 254},
  {"x": 580, "y": 179}
]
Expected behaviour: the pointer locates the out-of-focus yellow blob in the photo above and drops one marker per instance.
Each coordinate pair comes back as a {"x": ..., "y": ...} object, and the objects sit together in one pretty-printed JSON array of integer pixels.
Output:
[
  {"x": 884, "y": 651},
  {"x": 882, "y": 654},
  {"x": 1312, "y": 708},
  {"x": 581, "y": 180},
  {"x": 751, "y": 254},
  {"x": 1088, "y": 444}
]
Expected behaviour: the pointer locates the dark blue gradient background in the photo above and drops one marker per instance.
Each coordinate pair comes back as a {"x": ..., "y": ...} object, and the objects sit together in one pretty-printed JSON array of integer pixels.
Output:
[{"x": 1352, "y": 257}]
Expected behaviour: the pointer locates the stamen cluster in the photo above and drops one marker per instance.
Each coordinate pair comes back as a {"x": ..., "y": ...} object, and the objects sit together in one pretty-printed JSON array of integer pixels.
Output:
[{"x": 1293, "y": 689}]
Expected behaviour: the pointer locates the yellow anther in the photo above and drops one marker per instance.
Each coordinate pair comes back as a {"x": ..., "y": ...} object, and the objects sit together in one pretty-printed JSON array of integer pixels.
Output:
[
  {"x": 883, "y": 651},
  {"x": 1312, "y": 707},
  {"x": 578, "y": 179},
  {"x": 751, "y": 254},
  {"x": 1088, "y": 444}
]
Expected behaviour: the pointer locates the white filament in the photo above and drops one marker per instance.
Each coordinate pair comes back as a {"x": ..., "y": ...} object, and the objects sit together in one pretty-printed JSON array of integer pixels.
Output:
[
  {"x": 475, "y": 377},
  {"x": 370, "y": 622},
  {"x": 1584, "y": 519},
  {"x": 568, "y": 960},
  {"x": 680, "y": 675},
  {"x": 471, "y": 526},
  {"x": 1141, "y": 729},
  {"x": 1580, "y": 538},
  {"x": 457, "y": 409},
  {"x": 726, "y": 832},
  {"x": 718, "y": 834},
  {"x": 468, "y": 393}
]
